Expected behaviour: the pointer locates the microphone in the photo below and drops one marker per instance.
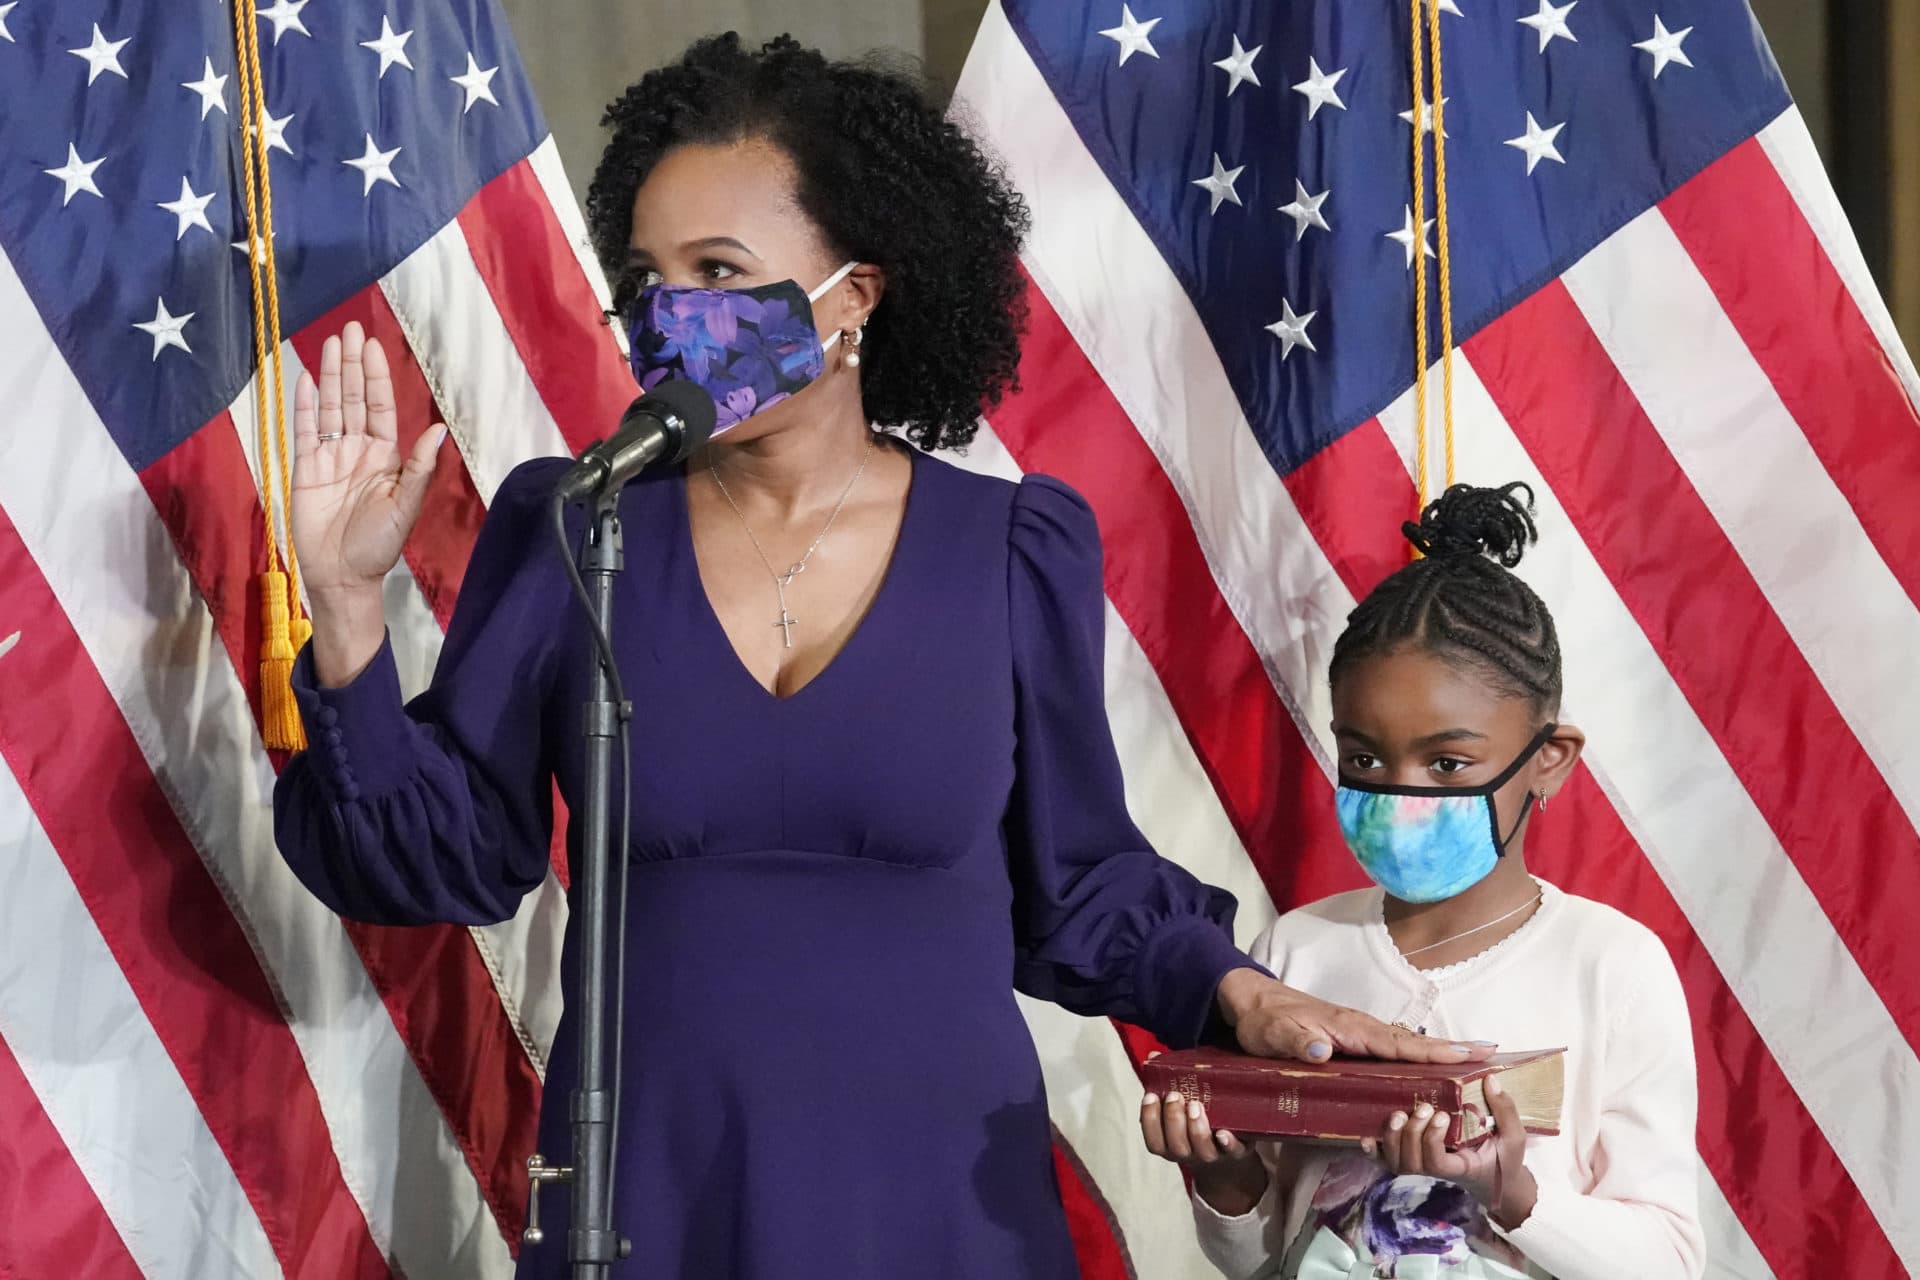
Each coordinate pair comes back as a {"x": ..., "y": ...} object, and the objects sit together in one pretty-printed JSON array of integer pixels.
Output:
[{"x": 664, "y": 425}]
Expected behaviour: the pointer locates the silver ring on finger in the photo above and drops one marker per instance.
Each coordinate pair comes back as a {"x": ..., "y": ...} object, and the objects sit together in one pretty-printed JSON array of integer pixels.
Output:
[{"x": 331, "y": 435}]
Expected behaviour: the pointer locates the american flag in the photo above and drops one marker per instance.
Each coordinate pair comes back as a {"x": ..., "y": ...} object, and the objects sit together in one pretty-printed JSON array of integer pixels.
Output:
[
  {"x": 1668, "y": 331},
  {"x": 203, "y": 1073}
]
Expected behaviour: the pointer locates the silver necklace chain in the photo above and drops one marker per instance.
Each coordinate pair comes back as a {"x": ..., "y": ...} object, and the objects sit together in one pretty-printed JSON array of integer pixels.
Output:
[
  {"x": 781, "y": 581},
  {"x": 1434, "y": 946}
]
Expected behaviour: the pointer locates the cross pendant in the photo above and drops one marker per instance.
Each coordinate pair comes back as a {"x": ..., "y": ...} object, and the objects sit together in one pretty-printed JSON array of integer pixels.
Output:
[{"x": 786, "y": 625}]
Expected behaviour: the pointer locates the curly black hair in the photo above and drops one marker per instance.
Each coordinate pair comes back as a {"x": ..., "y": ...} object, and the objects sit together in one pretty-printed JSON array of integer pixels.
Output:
[
  {"x": 887, "y": 179},
  {"x": 1461, "y": 601}
]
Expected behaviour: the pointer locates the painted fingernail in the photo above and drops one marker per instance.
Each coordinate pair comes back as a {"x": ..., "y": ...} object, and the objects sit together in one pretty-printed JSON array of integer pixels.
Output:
[
  {"x": 1493, "y": 1087},
  {"x": 1488, "y": 1044},
  {"x": 446, "y": 434},
  {"x": 1319, "y": 1049},
  {"x": 1366, "y": 1145},
  {"x": 1440, "y": 1119},
  {"x": 1398, "y": 1121},
  {"x": 1193, "y": 1111},
  {"x": 1424, "y": 1110},
  {"x": 1173, "y": 1098},
  {"x": 1151, "y": 1100},
  {"x": 1224, "y": 1138},
  {"x": 1461, "y": 1048}
]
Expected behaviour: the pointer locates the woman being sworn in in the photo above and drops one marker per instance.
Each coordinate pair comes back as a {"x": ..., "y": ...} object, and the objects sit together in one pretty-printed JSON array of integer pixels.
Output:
[{"x": 874, "y": 790}]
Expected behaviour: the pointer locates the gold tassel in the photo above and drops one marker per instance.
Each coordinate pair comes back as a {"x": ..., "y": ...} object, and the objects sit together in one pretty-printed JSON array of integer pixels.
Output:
[{"x": 279, "y": 714}]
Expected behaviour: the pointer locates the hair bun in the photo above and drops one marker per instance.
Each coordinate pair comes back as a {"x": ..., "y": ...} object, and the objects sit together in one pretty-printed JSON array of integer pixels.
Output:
[{"x": 1467, "y": 520}]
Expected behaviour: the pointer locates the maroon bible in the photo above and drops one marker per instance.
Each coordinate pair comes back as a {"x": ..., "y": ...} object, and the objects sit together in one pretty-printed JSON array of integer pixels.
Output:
[{"x": 1348, "y": 1099}]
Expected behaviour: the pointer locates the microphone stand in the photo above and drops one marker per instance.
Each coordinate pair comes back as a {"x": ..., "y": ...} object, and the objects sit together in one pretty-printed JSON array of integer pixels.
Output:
[{"x": 593, "y": 1245}]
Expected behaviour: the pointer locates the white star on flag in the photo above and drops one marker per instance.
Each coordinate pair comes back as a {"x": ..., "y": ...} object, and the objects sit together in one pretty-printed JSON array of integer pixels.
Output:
[
  {"x": 1448, "y": 6},
  {"x": 77, "y": 174},
  {"x": 102, "y": 56},
  {"x": 1318, "y": 88},
  {"x": 285, "y": 17},
  {"x": 276, "y": 131},
  {"x": 1404, "y": 236},
  {"x": 477, "y": 83},
  {"x": 1664, "y": 45},
  {"x": 1426, "y": 115},
  {"x": 166, "y": 329},
  {"x": 1292, "y": 330},
  {"x": 1551, "y": 22},
  {"x": 374, "y": 166},
  {"x": 211, "y": 88},
  {"x": 1239, "y": 66},
  {"x": 190, "y": 209},
  {"x": 258, "y": 246},
  {"x": 6, "y": 9},
  {"x": 1538, "y": 143},
  {"x": 6, "y": 646},
  {"x": 1305, "y": 210},
  {"x": 1219, "y": 183},
  {"x": 1131, "y": 35},
  {"x": 391, "y": 46}
]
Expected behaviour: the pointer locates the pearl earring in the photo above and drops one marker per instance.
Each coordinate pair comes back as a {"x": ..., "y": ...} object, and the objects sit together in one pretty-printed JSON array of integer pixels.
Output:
[{"x": 853, "y": 346}]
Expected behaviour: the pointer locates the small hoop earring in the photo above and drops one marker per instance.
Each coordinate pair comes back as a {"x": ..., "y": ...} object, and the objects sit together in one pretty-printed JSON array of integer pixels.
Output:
[
  {"x": 853, "y": 340},
  {"x": 1540, "y": 801}
]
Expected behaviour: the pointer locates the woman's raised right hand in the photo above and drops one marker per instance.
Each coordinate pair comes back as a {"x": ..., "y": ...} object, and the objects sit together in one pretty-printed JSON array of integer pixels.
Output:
[{"x": 354, "y": 499}]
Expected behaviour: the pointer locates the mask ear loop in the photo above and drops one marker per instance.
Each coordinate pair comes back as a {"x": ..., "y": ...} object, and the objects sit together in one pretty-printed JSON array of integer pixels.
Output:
[{"x": 1493, "y": 811}]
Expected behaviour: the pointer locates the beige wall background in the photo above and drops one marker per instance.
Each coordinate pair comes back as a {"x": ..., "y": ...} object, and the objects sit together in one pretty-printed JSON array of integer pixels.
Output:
[{"x": 581, "y": 53}]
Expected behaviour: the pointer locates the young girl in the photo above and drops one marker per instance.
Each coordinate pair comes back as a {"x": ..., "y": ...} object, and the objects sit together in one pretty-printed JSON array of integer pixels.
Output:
[{"x": 1446, "y": 700}]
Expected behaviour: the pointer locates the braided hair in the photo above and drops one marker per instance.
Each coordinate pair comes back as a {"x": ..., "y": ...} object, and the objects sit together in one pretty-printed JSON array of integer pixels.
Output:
[{"x": 1460, "y": 601}]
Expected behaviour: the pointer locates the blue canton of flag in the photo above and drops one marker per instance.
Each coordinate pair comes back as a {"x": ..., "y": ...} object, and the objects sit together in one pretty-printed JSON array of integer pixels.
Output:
[
  {"x": 122, "y": 204},
  {"x": 1267, "y": 150}
]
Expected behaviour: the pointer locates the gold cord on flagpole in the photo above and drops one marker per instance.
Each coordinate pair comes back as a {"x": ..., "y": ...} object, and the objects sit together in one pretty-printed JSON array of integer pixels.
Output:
[
  {"x": 1417, "y": 248},
  {"x": 283, "y": 620},
  {"x": 1440, "y": 225},
  {"x": 1429, "y": 117}
]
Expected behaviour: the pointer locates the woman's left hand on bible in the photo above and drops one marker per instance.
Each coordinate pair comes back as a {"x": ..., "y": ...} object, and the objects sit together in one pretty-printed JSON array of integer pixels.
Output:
[{"x": 1272, "y": 1020}]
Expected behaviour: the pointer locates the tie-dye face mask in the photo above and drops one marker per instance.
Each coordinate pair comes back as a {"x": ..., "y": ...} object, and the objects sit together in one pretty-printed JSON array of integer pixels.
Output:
[
  {"x": 748, "y": 348},
  {"x": 1426, "y": 844}
]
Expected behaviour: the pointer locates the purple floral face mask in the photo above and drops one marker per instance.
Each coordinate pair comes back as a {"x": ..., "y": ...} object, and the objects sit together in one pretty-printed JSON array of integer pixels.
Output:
[{"x": 748, "y": 348}]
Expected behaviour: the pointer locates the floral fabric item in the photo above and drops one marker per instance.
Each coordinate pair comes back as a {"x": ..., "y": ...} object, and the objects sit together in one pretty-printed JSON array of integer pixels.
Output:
[
  {"x": 748, "y": 348},
  {"x": 1367, "y": 1223}
]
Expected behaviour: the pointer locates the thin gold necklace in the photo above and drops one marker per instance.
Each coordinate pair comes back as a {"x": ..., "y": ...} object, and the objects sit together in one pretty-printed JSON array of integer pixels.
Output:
[
  {"x": 781, "y": 581},
  {"x": 1435, "y": 946}
]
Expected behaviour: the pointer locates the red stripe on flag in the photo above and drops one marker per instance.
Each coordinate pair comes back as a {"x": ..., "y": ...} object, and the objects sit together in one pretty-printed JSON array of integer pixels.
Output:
[
  {"x": 203, "y": 491},
  {"x": 51, "y": 1223},
  {"x": 1783, "y": 296},
  {"x": 442, "y": 540},
  {"x": 1658, "y": 544},
  {"x": 435, "y": 986},
  {"x": 1354, "y": 495},
  {"x": 548, "y": 306},
  {"x": 200, "y": 985},
  {"x": 1270, "y": 784},
  {"x": 1090, "y": 1221},
  {"x": 1769, "y": 1172}
]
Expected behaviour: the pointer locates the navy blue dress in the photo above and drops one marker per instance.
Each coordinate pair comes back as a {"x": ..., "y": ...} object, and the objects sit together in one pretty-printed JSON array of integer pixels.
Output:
[{"x": 834, "y": 895}]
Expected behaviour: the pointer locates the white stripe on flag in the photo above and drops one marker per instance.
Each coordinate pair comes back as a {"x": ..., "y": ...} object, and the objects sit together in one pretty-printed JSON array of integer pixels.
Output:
[
  {"x": 475, "y": 372},
  {"x": 1701, "y": 830},
  {"x": 90, "y": 526},
  {"x": 1790, "y": 147},
  {"x": 1742, "y": 450},
  {"x": 104, "y": 1078}
]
